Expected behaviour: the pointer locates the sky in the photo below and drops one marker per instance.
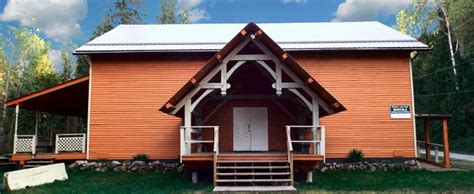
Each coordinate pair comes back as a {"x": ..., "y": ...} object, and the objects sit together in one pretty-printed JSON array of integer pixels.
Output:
[{"x": 74, "y": 21}]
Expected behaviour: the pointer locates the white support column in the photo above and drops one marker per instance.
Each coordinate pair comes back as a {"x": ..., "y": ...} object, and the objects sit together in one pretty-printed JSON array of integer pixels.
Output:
[
  {"x": 187, "y": 124},
  {"x": 309, "y": 176},
  {"x": 194, "y": 177},
  {"x": 278, "y": 80},
  {"x": 36, "y": 123},
  {"x": 223, "y": 79},
  {"x": 315, "y": 120},
  {"x": 15, "y": 136}
]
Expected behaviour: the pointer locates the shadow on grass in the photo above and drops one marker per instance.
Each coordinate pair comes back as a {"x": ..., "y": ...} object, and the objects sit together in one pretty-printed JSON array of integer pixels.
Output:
[{"x": 420, "y": 180}]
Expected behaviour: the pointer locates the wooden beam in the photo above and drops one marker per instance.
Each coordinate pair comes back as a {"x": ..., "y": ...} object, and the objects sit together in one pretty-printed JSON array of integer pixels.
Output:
[
  {"x": 426, "y": 124},
  {"x": 447, "y": 162},
  {"x": 247, "y": 57}
]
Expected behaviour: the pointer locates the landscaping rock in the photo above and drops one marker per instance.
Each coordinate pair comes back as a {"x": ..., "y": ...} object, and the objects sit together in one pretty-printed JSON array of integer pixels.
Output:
[{"x": 116, "y": 163}]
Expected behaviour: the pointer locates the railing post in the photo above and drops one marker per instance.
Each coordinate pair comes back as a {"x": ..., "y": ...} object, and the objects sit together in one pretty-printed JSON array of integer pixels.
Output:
[
  {"x": 83, "y": 143},
  {"x": 15, "y": 136},
  {"x": 323, "y": 142},
  {"x": 56, "y": 144},
  {"x": 181, "y": 143},
  {"x": 436, "y": 154},
  {"x": 315, "y": 131},
  {"x": 33, "y": 145}
]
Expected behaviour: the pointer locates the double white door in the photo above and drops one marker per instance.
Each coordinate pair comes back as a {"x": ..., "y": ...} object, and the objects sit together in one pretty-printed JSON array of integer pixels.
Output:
[{"x": 250, "y": 129}]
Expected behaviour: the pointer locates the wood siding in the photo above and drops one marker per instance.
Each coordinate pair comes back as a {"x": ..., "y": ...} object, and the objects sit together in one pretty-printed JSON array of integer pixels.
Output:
[
  {"x": 127, "y": 93},
  {"x": 366, "y": 84},
  {"x": 126, "y": 96}
]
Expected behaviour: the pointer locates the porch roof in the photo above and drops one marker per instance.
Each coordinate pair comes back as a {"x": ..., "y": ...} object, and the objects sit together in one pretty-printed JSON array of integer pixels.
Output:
[
  {"x": 68, "y": 98},
  {"x": 252, "y": 28}
]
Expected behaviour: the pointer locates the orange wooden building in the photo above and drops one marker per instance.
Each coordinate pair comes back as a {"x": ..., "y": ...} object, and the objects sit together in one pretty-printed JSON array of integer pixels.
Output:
[{"x": 252, "y": 102}]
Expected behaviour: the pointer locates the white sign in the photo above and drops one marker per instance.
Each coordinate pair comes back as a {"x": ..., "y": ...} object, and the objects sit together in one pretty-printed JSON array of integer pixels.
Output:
[{"x": 400, "y": 112}]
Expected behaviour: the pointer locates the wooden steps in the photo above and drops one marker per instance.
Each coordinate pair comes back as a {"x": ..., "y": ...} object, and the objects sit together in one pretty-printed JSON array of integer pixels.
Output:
[
  {"x": 278, "y": 189},
  {"x": 36, "y": 162},
  {"x": 248, "y": 172}
]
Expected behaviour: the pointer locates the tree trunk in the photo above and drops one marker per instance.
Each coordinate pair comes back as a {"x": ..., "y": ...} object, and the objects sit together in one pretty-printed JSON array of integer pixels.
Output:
[{"x": 451, "y": 51}]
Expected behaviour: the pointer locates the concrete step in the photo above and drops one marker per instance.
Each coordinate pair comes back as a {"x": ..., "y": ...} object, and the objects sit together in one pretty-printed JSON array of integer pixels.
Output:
[{"x": 254, "y": 189}]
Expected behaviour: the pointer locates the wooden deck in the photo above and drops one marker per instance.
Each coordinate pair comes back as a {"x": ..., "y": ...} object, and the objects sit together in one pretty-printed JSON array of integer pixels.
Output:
[
  {"x": 21, "y": 158},
  {"x": 251, "y": 156}
]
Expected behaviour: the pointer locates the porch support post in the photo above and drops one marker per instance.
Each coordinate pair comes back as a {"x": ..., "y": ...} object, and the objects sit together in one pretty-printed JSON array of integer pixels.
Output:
[
  {"x": 36, "y": 123},
  {"x": 15, "y": 135},
  {"x": 187, "y": 125},
  {"x": 447, "y": 162},
  {"x": 309, "y": 176},
  {"x": 426, "y": 123},
  {"x": 194, "y": 176},
  {"x": 315, "y": 119}
]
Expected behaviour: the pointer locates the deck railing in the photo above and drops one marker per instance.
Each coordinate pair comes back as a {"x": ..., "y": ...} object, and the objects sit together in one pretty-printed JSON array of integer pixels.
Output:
[
  {"x": 317, "y": 138},
  {"x": 75, "y": 142},
  {"x": 187, "y": 140},
  {"x": 422, "y": 146},
  {"x": 289, "y": 145},
  {"x": 24, "y": 144}
]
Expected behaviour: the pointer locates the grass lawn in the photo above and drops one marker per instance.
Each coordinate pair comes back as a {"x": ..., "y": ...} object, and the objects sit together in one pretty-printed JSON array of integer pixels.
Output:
[
  {"x": 149, "y": 182},
  {"x": 398, "y": 181}
]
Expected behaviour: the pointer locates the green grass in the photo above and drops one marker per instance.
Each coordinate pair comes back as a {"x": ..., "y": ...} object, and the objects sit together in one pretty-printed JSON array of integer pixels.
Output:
[
  {"x": 151, "y": 182},
  {"x": 120, "y": 182},
  {"x": 402, "y": 181}
]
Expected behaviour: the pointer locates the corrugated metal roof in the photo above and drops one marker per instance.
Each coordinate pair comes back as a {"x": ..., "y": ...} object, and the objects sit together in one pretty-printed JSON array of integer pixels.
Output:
[{"x": 289, "y": 36}]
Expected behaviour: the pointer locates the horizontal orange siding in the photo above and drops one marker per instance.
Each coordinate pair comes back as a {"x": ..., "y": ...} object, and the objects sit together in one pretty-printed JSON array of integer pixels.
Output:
[
  {"x": 126, "y": 96},
  {"x": 366, "y": 84},
  {"x": 127, "y": 93}
]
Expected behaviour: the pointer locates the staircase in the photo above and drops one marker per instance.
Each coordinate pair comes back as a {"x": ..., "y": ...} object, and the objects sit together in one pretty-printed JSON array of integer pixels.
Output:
[
  {"x": 251, "y": 173},
  {"x": 38, "y": 161}
]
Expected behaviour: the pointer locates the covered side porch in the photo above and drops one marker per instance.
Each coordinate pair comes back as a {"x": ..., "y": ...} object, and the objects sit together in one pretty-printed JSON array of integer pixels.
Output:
[
  {"x": 252, "y": 114},
  {"x": 43, "y": 145}
]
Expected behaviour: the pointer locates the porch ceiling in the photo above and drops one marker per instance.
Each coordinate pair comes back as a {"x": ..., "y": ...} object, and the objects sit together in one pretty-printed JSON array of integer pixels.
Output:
[
  {"x": 68, "y": 98},
  {"x": 260, "y": 36}
]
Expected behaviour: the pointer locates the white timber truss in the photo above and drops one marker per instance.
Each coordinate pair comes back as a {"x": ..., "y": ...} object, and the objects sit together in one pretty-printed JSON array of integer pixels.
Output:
[{"x": 189, "y": 104}]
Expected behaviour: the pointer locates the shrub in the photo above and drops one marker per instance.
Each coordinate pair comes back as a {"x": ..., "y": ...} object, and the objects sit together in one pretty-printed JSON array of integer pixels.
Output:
[
  {"x": 355, "y": 156},
  {"x": 141, "y": 157}
]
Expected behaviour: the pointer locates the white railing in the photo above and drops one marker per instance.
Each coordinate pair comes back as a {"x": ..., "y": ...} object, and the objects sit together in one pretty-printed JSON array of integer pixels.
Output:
[
  {"x": 318, "y": 137},
  {"x": 422, "y": 146},
  {"x": 75, "y": 142},
  {"x": 24, "y": 144},
  {"x": 186, "y": 139},
  {"x": 289, "y": 145}
]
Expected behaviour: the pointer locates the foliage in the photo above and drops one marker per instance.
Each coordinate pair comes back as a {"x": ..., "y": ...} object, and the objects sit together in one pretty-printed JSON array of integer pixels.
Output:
[
  {"x": 355, "y": 156},
  {"x": 437, "y": 89},
  {"x": 141, "y": 157},
  {"x": 171, "y": 13},
  {"x": 417, "y": 20},
  {"x": 123, "y": 12}
]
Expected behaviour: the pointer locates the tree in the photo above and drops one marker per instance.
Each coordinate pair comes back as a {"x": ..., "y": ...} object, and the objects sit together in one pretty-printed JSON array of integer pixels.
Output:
[
  {"x": 170, "y": 15},
  {"x": 3, "y": 75},
  {"x": 123, "y": 12},
  {"x": 167, "y": 14},
  {"x": 437, "y": 88},
  {"x": 28, "y": 69}
]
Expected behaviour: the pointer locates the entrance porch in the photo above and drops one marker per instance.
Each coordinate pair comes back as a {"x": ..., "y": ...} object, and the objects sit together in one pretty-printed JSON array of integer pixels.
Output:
[
  {"x": 252, "y": 115},
  {"x": 45, "y": 145}
]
